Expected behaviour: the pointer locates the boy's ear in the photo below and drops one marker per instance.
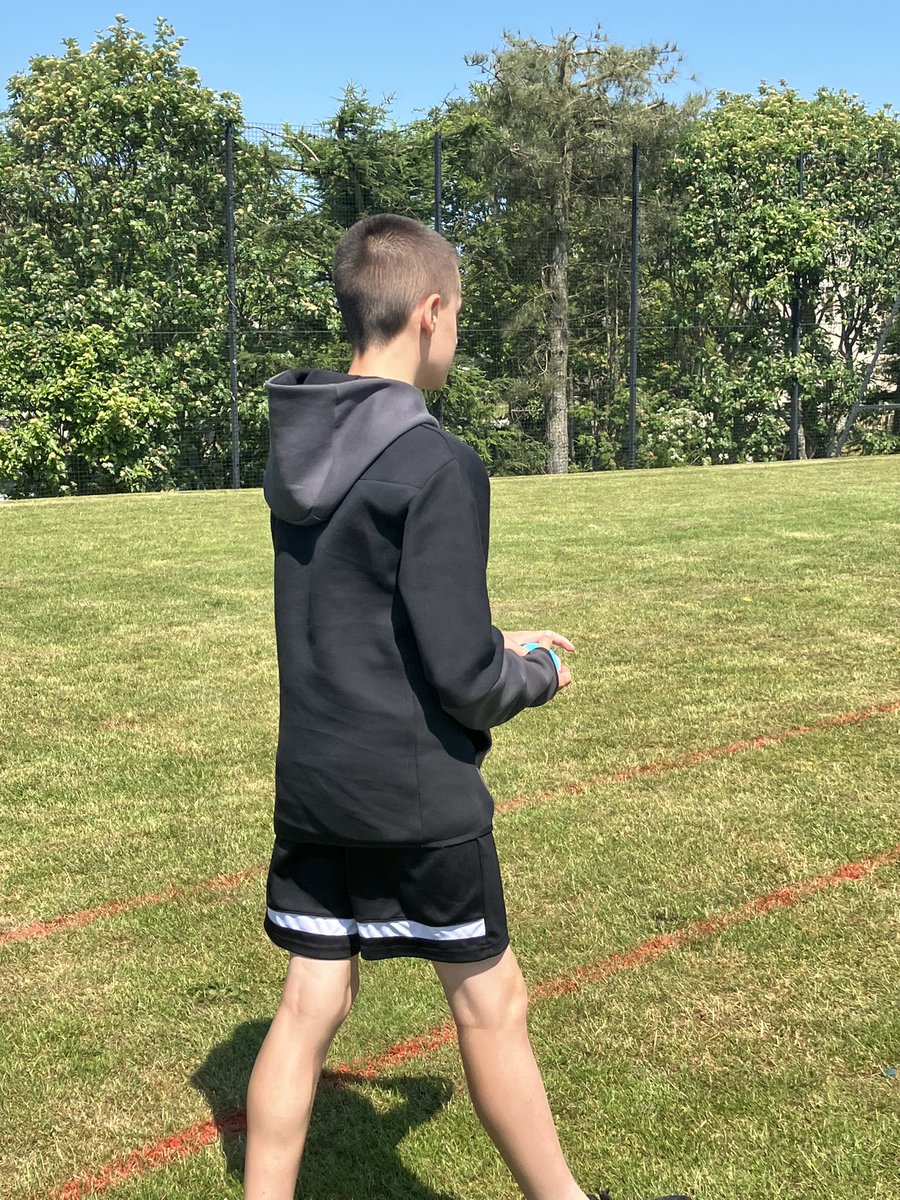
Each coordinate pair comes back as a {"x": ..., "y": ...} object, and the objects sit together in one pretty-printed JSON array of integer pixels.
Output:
[{"x": 431, "y": 307}]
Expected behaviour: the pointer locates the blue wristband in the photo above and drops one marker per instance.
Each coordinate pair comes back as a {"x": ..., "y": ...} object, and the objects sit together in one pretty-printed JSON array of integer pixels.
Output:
[{"x": 534, "y": 646}]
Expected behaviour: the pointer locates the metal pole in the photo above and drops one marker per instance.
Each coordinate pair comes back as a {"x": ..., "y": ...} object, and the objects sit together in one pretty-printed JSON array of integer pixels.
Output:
[
  {"x": 438, "y": 180},
  {"x": 795, "y": 336},
  {"x": 633, "y": 332},
  {"x": 232, "y": 304}
]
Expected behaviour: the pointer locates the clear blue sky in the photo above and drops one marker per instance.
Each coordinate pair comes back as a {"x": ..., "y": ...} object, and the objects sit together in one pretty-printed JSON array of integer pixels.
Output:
[{"x": 289, "y": 61}]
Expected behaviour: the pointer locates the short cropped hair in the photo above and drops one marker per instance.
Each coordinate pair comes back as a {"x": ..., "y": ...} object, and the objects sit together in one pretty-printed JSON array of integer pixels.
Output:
[{"x": 384, "y": 266}]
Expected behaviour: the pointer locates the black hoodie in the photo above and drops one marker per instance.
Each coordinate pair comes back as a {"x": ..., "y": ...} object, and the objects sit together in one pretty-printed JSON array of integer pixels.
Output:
[{"x": 391, "y": 673}]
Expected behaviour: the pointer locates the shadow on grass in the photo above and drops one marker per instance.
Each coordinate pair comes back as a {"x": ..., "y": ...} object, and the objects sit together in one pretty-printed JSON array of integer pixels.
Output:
[{"x": 351, "y": 1149}]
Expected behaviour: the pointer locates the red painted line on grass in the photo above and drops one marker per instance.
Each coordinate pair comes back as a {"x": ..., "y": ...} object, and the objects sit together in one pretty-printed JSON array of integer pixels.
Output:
[
  {"x": 696, "y": 756},
  {"x": 39, "y": 929},
  {"x": 204, "y": 1133},
  {"x": 711, "y": 926},
  {"x": 179, "y": 1145},
  {"x": 369, "y": 1068}
]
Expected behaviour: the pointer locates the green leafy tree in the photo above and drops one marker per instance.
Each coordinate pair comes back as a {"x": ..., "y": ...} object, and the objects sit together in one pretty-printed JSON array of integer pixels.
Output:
[
  {"x": 747, "y": 242},
  {"x": 362, "y": 162},
  {"x": 85, "y": 409},
  {"x": 112, "y": 219}
]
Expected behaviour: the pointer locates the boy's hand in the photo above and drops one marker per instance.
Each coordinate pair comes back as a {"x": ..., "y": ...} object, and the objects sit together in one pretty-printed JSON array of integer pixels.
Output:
[
  {"x": 545, "y": 638},
  {"x": 514, "y": 641}
]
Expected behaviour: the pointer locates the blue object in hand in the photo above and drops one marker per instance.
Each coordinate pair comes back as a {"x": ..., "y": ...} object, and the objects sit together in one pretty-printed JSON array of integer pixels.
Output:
[{"x": 534, "y": 646}]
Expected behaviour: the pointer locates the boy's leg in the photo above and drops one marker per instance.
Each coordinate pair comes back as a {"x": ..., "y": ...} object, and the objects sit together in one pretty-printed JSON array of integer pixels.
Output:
[
  {"x": 489, "y": 1004},
  {"x": 318, "y": 994}
]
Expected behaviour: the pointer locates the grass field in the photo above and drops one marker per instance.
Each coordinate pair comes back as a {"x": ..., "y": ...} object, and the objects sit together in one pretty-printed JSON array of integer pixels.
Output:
[{"x": 715, "y": 1000}]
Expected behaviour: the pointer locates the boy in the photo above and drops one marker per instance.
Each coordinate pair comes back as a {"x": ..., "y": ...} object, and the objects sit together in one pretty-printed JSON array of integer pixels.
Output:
[{"x": 391, "y": 676}]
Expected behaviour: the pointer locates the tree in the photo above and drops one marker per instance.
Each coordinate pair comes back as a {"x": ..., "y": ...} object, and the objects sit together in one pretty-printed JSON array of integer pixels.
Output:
[
  {"x": 112, "y": 222},
  {"x": 747, "y": 241},
  {"x": 362, "y": 162},
  {"x": 562, "y": 119}
]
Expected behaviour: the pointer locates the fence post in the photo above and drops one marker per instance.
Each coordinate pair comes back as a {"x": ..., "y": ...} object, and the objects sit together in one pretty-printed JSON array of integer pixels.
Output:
[
  {"x": 633, "y": 316},
  {"x": 232, "y": 304},
  {"x": 438, "y": 179},
  {"x": 794, "y": 451}
]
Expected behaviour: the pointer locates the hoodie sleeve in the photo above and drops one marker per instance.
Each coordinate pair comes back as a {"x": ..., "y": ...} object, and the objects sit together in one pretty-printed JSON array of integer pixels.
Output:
[{"x": 442, "y": 582}]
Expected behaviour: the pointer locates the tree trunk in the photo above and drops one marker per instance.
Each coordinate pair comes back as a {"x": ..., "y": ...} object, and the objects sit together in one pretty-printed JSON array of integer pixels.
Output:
[
  {"x": 557, "y": 407},
  {"x": 557, "y": 399}
]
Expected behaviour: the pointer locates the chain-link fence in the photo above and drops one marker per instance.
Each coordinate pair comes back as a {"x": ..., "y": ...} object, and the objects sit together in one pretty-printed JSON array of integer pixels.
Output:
[{"x": 666, "y": 382}]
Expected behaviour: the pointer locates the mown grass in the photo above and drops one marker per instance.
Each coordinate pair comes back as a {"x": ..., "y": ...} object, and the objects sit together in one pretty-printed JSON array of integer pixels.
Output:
[{"x": 137, "y": 675}]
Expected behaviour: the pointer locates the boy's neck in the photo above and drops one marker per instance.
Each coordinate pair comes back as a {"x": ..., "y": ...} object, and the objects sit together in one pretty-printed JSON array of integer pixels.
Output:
[
  {"x": 383, "y": 364},
  {"x": 392, "y": 361}
]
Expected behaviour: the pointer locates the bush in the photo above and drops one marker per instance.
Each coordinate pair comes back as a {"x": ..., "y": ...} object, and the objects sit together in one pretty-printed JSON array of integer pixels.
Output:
[{"x": 77, "y": 415}]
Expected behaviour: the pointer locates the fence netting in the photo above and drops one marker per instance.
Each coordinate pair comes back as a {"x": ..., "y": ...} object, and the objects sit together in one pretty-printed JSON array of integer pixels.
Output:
[{"x": 146, "y": 404}]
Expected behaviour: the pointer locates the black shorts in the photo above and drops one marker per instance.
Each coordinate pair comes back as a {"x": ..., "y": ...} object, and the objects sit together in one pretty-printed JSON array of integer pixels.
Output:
[{"x": 444, "y": 904}]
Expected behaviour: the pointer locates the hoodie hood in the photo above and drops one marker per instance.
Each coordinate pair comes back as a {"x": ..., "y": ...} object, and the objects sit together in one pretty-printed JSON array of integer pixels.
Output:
[{"x": 325, "y": 430}]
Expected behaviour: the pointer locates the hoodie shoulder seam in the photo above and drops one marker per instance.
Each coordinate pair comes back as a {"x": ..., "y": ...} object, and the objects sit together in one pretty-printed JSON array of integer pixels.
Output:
[
  {"x": 417, "y": 487},
  {"x": 449, "y": 463},
  {"x": 412, "y": 487}
]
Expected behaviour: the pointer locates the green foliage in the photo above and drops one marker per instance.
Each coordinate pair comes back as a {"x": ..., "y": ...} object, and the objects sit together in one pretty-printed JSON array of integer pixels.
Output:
[
  {"x": 476, "y": 408},
  {"x": 746, "y": 241},
  {"x": 112, "y": 206},
  {"x": 876, "y": 441},
  {"x": 113, "y": 278},
  {"x": 362, "y": 163},
  {"x": 112, "y": 201},
  {"x": 83, "y": 410}
]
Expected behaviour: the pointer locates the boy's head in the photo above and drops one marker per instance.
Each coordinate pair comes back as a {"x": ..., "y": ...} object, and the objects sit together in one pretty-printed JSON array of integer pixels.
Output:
[{"x": 385, "y": 266}]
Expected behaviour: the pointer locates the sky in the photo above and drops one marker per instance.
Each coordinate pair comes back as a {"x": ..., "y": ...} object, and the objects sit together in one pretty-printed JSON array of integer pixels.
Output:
[{"x": 290, "y": 62}]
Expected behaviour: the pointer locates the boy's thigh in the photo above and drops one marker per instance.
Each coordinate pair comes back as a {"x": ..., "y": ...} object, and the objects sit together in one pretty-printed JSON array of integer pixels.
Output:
[
  {"x": 486, "y": 995},
  {"x": 321, "y": 990},
  {"x": 444, "y": 904}
]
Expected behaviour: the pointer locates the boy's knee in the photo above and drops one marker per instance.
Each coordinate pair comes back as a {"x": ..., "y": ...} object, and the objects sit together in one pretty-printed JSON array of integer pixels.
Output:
[
  {"x": 514, "y": 1006},
  {"x": 498, "y": 1003},
  {"x": 321, "y": 995},
  {"x": 512, "y": 1011}
]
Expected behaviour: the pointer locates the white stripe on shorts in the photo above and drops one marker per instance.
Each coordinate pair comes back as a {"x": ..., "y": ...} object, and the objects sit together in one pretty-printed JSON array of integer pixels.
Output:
[
  {"x": 324, "y": 926},
  {"x": 372, "y": 930}
]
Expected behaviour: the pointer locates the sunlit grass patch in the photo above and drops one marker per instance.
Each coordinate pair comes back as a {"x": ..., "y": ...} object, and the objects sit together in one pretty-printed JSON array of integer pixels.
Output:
[{"x": 708, "y": 607}]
